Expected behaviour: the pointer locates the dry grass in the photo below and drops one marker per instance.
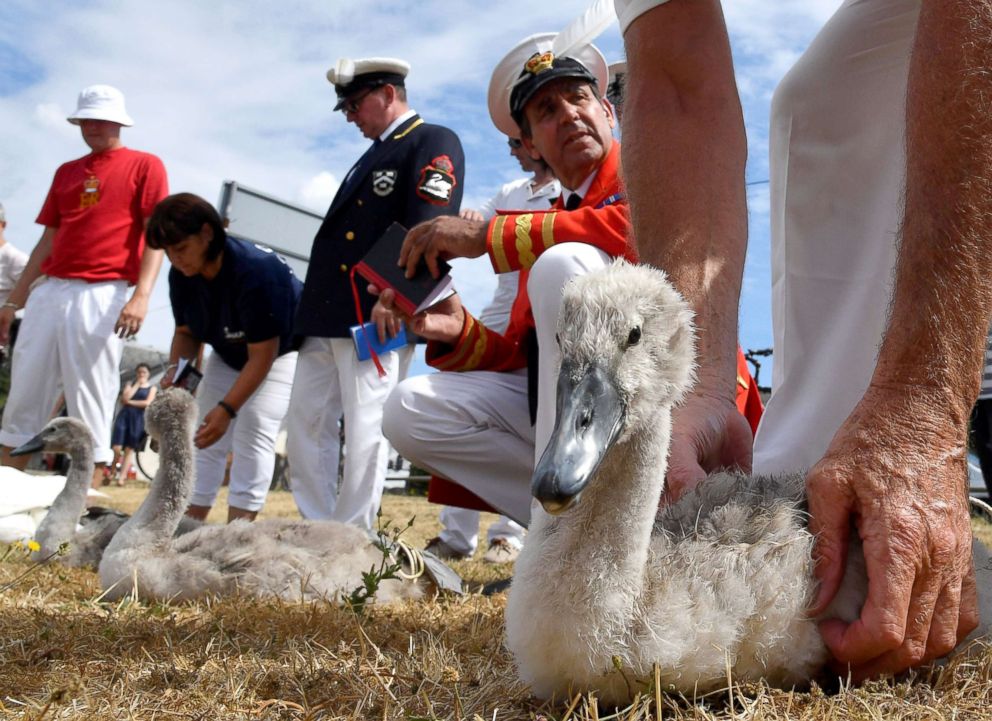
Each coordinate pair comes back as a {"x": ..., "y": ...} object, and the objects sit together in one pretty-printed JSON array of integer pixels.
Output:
[{"x": 64, "y": 655}]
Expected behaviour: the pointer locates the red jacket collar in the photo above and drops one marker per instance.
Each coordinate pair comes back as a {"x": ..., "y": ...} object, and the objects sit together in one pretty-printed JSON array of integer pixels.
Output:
[{"x": 605, "y": 182}]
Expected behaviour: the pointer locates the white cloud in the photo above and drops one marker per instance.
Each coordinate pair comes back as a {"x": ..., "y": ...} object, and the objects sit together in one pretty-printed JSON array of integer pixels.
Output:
[
  {"x": 318, "y": 192},
  {"x": 52, "y": 117}
]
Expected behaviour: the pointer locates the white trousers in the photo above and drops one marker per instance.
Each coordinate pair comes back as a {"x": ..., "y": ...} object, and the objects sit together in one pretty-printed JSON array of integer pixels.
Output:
[
  {"x": 837, "y": 178},
  {"x": 474, "y": 427},
  {"x": 251, "y": 437},
  {"x": 460, "y": 529},
  {"x": 331, "y": 382},
  {"x": 67, "y": 344},
  {"x": 460, "y": 526}
]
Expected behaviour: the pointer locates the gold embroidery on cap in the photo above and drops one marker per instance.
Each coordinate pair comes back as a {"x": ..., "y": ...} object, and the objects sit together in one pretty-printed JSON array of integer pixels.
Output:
[{"x": 539, "y": 62}]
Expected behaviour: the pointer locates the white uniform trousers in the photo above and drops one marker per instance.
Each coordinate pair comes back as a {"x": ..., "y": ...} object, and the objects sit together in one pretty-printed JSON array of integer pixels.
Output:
[
  {"x": 331, "y": 382},
  {"x": 471, "y": 427},
  {"x": 474, "y": 427},
  {"x": 250, "y": 438},
  {"x": 67, "y": 344},
  {"x": 460, "y": 526},
  {"x": 837, "y": 178},
  {"x": 460, "y": 529}
]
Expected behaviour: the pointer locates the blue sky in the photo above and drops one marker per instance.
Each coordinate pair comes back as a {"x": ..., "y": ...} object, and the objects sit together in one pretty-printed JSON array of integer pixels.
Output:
[{"x": 236, "y": 90}]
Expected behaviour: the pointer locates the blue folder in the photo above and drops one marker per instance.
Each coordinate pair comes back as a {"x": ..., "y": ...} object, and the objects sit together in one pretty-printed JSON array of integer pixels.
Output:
[{"x": 371, "y": 337}]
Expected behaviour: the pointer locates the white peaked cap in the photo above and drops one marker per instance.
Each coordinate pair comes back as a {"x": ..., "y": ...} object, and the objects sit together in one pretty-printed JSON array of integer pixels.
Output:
[
  {"x": 347, "y": 69},
  {"x": 508, "y": 71}
]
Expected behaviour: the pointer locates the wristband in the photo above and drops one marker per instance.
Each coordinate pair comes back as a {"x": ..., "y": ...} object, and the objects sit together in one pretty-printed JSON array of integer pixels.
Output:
[{"x": 229, "y": 408}]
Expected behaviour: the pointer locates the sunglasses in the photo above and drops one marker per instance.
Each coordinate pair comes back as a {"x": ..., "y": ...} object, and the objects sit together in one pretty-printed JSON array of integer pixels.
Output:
[
  {"x": 352, "y": 104},
  {"x": 514, "y": 143}
]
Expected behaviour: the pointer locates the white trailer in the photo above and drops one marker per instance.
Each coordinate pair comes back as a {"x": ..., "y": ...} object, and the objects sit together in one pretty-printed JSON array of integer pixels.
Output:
[{"x": 285, "y": 227}]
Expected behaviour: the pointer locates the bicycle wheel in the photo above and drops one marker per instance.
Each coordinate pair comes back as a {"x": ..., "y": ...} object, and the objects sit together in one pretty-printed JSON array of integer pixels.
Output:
[{"x": 147, "y": 461}]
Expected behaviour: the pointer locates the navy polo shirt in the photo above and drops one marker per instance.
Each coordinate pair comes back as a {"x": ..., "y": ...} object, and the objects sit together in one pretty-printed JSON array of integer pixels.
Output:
[{"x": 252, "y": 299}]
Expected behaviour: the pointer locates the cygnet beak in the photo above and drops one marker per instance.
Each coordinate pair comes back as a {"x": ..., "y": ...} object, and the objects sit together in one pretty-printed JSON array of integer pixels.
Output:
[
  {"x": 589, "y": 416},
  {"x": 33, "y": 446}
]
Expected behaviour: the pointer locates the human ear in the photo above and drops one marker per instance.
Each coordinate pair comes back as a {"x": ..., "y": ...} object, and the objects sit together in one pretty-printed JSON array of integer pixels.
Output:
[
  {"x": 611, "y": 113},
  {"x": 529, "y": 147}
]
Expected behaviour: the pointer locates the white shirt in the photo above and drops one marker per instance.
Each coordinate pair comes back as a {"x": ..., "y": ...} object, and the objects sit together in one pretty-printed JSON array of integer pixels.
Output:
[
  {"x": 630, "y": 10},
  {"x": 396, "y": 123},
  {"x": 518, "y": 195},
  {"x": 838, "y": 167},
  {"x": 12, "y": 262}
]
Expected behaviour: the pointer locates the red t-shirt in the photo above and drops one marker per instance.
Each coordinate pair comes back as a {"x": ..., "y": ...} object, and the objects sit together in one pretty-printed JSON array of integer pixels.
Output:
[{"x": 99, "y": 204}]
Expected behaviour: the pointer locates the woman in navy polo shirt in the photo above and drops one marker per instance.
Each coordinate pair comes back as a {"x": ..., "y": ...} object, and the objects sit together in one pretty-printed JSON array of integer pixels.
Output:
[{"x": 240, "y": 299}]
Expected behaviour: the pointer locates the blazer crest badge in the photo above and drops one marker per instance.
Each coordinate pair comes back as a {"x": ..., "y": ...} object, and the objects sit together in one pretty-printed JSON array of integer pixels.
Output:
[{"x": 383, "y": 182}]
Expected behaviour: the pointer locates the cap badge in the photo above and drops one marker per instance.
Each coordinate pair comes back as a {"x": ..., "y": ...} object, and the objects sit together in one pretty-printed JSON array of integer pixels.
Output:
[{"x": 539, "y": 63}]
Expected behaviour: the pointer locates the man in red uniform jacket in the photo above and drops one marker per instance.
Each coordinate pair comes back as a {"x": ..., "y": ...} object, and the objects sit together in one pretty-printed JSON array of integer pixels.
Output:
[{"x": 474, "y": 426}]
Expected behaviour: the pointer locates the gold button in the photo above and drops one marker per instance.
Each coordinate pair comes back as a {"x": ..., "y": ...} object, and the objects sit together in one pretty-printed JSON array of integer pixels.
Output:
[
  {"x": 361, "y": 202},
  {"x": 349, "y": 235},
  {"x": 344, "y": 268}
]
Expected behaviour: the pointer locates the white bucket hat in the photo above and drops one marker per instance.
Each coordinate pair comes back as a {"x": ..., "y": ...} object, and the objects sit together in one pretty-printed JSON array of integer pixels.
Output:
[{"x": 101, "y": 102}]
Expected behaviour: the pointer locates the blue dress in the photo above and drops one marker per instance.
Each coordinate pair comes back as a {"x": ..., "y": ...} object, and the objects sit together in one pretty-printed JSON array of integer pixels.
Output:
[{"x": 129, "y": 426}]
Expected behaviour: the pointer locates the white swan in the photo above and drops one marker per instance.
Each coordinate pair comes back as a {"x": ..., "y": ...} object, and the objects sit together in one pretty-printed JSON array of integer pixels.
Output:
[
  {"x": 71, "y": 436},
  {"x": 721, "y": 580},
  {"x": 88, "y": 535},
  {"x": 288, "y": 559},
  {"x": 24, "y": 500}
]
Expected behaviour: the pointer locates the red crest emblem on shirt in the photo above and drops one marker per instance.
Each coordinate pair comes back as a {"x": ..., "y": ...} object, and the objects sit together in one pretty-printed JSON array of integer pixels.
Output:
[{"x": 91, "y": 192}]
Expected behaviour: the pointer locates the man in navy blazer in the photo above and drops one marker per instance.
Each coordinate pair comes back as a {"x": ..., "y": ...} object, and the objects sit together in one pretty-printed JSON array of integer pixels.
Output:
[{"x": 413, "y": 171}]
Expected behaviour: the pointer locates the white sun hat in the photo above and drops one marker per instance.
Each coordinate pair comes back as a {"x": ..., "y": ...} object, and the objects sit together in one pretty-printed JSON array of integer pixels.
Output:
[
  {"x": 530, "y": 65},
  {"x": 101, "y": 102}
]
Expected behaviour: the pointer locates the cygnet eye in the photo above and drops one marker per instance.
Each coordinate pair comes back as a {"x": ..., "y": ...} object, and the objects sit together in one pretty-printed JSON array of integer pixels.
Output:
[{"x": 634, "y": 337}]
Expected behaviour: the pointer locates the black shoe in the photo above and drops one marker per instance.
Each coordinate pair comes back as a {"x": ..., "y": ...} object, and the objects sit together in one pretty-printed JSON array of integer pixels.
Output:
[
  {"x": 445, "y": 552},
  {"x": 494, "y": 587}
]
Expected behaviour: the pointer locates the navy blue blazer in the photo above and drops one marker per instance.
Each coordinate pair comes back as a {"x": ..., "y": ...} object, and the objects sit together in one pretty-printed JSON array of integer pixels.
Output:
[{"x": 414, "y": 175}]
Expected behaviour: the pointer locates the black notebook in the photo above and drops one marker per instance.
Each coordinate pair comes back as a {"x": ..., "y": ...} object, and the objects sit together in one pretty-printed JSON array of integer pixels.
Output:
[
  {"x": 186, "y": 376},
  {"x": 415, "y": 294}
]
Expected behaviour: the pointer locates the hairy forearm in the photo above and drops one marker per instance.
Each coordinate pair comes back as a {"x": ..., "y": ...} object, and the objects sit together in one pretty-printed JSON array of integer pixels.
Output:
[
  {"x": 943, "y": 295},
  {"x": 684, "y": 153}
]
